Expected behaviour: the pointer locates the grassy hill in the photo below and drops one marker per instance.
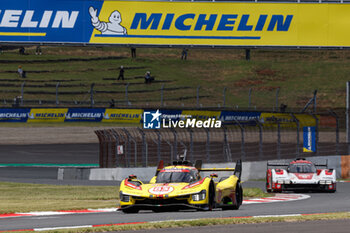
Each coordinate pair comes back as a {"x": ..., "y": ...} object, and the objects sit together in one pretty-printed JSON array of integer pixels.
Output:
[{"x": 296, "y": 72}]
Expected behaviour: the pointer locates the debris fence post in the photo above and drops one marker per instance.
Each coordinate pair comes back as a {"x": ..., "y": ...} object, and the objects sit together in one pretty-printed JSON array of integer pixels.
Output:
[
  {"x": 126, "y": 94},
  {"x": 277, "y": 93},
  {"x": 207, "y": 145},
  {"x": 144, "y": 147},
  {"x": 261, "y": 153},
  {"x": 243, "y": 155},
  {"x": 191, "y": 144},
  {"x": 317, "y": 133},
  {"x": 298, "y": 134},
  {"x": 135, "y": 145},
  {"x": 175, "y": 142},
  {"x": 159, "y": 138},
  {"x": 57, "y": 86},
  {"x": 336, "y": 131},
  {"x": 22, "y": 92}
]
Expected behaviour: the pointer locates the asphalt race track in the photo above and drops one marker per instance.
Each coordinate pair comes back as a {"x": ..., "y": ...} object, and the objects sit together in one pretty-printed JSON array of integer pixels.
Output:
[
  {"x": 50, "y": 153},
  {"x": 318, "y": 203}
]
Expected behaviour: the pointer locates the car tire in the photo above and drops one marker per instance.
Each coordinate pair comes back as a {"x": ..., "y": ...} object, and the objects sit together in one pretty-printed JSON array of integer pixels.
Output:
[
  {"x": 211, "y": 197},
  {"x": 239, "y": 199},
  {"x": 239, "y": 196}
]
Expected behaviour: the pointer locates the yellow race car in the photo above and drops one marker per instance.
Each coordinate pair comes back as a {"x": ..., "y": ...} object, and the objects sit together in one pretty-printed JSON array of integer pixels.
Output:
[{"x": 181, "y": 186}]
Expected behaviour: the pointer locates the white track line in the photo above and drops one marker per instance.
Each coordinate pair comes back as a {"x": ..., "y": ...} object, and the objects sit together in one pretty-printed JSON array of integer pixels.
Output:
[{"x": 278, "y": 198}]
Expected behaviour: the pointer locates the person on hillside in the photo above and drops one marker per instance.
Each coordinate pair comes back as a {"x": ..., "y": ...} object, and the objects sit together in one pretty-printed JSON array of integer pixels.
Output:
[
  {"x": 112, "y": 103},
  {"x": 121, "y": 73},
  {"x": 148, "y": 78},
  {"x": 21, "y": 72},
  {"x": 184, "y": 54},
  {"x": 38, "y": 50},
  {"x": 133, "y": 52},
  {"x": 22, "y": 51}
]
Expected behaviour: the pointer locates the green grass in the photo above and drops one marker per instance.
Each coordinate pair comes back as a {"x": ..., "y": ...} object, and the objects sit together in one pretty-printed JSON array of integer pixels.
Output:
[
  {"x": 210, "y": 222},
  {"x": 254, "y": 192},
  {"x": 296, "y": 72},
  {"x": 21, "y": 197}
]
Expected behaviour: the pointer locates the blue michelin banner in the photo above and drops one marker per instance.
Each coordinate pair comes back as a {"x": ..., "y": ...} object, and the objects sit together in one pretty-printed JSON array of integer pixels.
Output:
[
  {"x": 244, "y": 118},
  {"x": 309, "y": 139},
  {"x": 46, "y": 21},
  {"x": 14, "y": 115},
  {"x": 85, "y": 114}
]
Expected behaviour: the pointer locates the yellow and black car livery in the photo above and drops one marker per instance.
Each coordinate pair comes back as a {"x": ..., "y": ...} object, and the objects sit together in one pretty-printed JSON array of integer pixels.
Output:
[{"x": 181, "y": 186}]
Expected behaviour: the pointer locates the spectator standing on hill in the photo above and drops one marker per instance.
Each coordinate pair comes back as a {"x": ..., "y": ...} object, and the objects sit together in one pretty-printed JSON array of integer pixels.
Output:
[
  {"x": 133, "y": 52},
  {"x": 148, "y": 78},
  {"x": 22, "y": 51},
  {"x": 112, "y": 103},
  {"x": 121, "y": 73},
  {"x": 38, "y": 50},
  {"x": 21, "y": 72},
  {"x": 184, "y": 54}
]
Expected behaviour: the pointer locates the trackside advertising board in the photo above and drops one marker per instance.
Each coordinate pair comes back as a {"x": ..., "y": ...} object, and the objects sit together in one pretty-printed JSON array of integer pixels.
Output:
[
  {"x": 14, "y": 115},
  {"x": 117, "y": 115},
  {"x": 175, "y": 23},
  {"x": 309, "y": 135}
]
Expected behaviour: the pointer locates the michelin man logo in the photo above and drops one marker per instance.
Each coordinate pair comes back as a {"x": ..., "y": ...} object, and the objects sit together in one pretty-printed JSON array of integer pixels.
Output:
[{"x": 113, "y": 27}]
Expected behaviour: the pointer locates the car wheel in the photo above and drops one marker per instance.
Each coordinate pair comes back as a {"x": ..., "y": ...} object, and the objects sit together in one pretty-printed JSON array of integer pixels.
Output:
[
  {"x": 211, "y": 197},
  {"x": 239, "y": 199},
  {"x": 239, "y": 196}
]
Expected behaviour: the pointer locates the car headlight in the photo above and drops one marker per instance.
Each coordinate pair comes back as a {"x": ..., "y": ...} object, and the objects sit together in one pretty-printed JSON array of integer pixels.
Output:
[
  {"x": 123, "y": 197},
  {"x": 325, "y": 182},
  {"x": 199, "y": 196},
  {"x": 283, "y": 181}
]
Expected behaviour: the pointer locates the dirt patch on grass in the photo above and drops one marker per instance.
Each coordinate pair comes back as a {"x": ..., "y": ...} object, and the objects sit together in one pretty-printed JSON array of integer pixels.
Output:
[
  {"x": 248, "y": 82},
  {"x": 266, "y": 88},
  {"x": 265, "y": 72}
]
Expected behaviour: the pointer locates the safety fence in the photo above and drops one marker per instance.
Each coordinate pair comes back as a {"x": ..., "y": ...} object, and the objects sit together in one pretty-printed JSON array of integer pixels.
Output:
[{"x": 135, "y": 147}]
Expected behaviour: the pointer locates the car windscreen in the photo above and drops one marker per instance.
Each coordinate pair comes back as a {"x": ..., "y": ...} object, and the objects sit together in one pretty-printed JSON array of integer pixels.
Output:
[
  {"x": 175, "y": 177},
  {"x": 302, "y": 168}
]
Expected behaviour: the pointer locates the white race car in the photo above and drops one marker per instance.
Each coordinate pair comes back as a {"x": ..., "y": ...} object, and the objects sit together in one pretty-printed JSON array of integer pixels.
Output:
[{"x": 300, "y": 175}]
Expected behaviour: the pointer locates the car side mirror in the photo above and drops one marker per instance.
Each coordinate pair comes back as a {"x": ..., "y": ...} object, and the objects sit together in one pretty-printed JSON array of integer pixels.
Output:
[{"x": 213, "y": 175}]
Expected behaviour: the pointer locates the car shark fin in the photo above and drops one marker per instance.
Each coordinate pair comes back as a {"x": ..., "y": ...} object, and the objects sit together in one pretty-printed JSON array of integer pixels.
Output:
[
  {"x": 160, "y": 167},
  {"x": 238, "y": 169}
]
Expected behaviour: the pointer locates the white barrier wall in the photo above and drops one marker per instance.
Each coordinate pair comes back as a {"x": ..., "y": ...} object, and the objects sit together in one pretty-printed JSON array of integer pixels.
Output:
[{"x": 250, "y": 170}]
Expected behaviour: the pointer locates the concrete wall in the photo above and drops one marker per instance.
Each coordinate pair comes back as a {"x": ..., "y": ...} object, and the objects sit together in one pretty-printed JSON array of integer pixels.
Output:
[{"x": 250, "y": 170}]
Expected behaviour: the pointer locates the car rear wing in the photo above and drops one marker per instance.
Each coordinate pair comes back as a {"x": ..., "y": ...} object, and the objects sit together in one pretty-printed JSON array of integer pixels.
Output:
[
  {"x": 272, "y": 164},
  {"x": 217, "y": 169},
  {"x": 237, "y": 170},
  {"x": 322, "y": 164},
  {"x": 269, "y": 164}
]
